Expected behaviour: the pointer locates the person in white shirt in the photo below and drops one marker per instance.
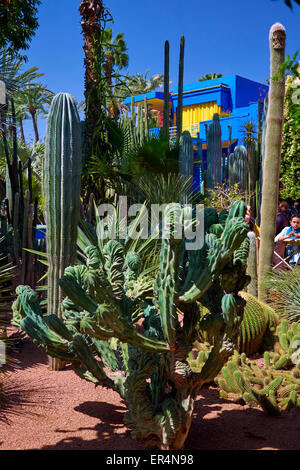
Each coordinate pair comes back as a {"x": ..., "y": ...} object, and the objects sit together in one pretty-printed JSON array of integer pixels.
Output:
[{"x": 293, "y": 233}]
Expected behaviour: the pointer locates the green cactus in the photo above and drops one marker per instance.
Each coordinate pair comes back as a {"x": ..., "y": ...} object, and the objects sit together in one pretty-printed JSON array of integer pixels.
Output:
[
  {"x": 166, "y": 110},
  {"x": 276, "y": 386},
  {"x": 186, "y": 160},
  {"x": 252, "y": 264},
  {"x": 108, "y": 295},
  {"x": 257, "y": 329},
  {"x": 180, "y": 89},
  {"x": 270, "y": 186},
  {"x": 238, "y": 167},
  {"x": 214, "y": 153},
  {"x": 62, "y": 191}
]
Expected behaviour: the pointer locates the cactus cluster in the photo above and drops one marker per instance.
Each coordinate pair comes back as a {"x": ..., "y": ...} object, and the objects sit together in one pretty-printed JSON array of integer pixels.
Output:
[
  {"x": 274, "y": 387},
  {"x": 109, "y": 296}
]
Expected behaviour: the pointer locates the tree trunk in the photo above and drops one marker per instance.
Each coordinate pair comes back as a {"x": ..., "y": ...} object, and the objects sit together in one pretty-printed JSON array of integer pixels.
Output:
[
  {"x": 22, "y": 131},
  {"x": 33, "y": 117}
]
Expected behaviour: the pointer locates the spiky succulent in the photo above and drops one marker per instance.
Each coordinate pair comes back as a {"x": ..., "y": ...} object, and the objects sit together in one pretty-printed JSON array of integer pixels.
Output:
[{"x": 144, "y": 327}]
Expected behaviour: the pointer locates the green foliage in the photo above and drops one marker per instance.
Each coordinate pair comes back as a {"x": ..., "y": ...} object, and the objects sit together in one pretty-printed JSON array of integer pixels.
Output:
[
  {"x": 18, "y": 20},
  {"x": 290, "y": 151},
  {"x": 210, "y": 76},
  {"x": 223, "y": 197},
  {"x": 130, "y": 319},
  {"x": 12, "y": 73}
]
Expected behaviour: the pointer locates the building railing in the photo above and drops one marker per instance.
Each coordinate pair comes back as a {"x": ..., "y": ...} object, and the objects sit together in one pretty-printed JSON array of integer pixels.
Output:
[{"x": 192, "y": 128}]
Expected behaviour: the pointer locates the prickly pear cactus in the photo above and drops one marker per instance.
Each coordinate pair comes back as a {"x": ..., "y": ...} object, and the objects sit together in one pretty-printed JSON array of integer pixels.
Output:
[{"x": 143, "y": 327}]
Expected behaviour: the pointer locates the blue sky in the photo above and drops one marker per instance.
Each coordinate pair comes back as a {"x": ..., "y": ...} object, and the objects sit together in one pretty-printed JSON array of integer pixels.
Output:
[{"x": 229, "y": 37}]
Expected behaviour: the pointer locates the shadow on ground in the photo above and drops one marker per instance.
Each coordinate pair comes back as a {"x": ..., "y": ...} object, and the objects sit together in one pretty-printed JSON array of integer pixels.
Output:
[{"x": 110, "y": 430}]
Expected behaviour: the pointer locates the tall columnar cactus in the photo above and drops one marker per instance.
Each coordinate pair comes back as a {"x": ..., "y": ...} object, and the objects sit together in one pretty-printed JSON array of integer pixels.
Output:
[
  {"x": 149, "y": 365},
  {"x": 180, "y": 89},
  {"x": 62, "y": 191},
  {"x": 186, "y": 160},
  {"x": 252, "y": 264},
  {"x": 214, "y": 153},
  {"x": 166, "y": 110},
  {"x": 270, "y": 186},
  {"x": 239, "y": 167}
]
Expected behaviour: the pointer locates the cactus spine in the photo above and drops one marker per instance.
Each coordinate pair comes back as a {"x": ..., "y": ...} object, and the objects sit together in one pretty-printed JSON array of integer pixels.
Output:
[
  {"x": 62, "y": 191},
  {"x": 270, "y": 188},
  {"x": 214, "y": 153}
]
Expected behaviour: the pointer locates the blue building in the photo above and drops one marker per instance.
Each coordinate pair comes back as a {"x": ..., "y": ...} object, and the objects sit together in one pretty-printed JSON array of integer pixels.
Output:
[{"x": 236, "y": 99}]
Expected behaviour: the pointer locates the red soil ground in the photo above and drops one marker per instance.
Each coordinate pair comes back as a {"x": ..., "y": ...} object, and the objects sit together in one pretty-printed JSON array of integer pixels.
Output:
[{"x": 45, "y": 410}]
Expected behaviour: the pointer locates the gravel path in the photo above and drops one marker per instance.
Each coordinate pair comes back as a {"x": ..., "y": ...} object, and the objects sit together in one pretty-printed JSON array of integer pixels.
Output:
[{"x": 48, "y": 410}]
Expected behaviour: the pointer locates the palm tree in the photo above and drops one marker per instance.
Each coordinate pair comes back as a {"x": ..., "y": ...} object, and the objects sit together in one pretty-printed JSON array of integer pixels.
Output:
[
  {"x": 34, "y": 101},
  {"x": 11, "y": 72},
  {"x": 20, "y": 112},
  {"x": 91, "y": 12},
  {"x": 139, "y": 84},
  {"x": 115, "y": 53},
  {"x": 210, "y": 76}
]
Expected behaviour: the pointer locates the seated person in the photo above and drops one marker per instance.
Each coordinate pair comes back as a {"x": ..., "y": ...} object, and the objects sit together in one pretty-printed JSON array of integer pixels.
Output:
[
  {"x": 282, "y": 219},
  {"x": 253, "y": 227},
  {"x": 291, "y": 233}
]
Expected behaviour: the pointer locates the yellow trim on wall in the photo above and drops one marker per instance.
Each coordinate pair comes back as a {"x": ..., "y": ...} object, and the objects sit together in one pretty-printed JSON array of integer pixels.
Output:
[{"x": 196, "y": 113}]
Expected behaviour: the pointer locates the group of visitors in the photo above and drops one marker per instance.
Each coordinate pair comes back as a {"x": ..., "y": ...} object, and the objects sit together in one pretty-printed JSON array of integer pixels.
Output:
[{"x": 287, "y": 230}]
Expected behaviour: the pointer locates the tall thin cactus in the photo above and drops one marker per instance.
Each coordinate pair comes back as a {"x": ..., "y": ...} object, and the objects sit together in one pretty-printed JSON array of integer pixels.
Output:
[
  {"x": 180, "y": 89},
  {"x": 252, "y": 264},
  {"x": 166, "y": 91},
  {"x": 270, "y": 186},
  {"x": 214, "y": 153},
  {"x": 186, "y": 160},
  {"x": 62, "y": 190}
]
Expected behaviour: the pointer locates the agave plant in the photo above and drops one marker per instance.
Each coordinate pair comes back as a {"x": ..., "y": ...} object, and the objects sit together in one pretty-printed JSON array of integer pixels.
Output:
[{"x": 284, "y": 293}]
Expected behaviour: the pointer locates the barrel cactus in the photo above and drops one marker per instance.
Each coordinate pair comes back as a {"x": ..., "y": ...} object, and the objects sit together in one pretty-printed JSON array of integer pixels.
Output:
[{"x": 143, "y": 326}]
